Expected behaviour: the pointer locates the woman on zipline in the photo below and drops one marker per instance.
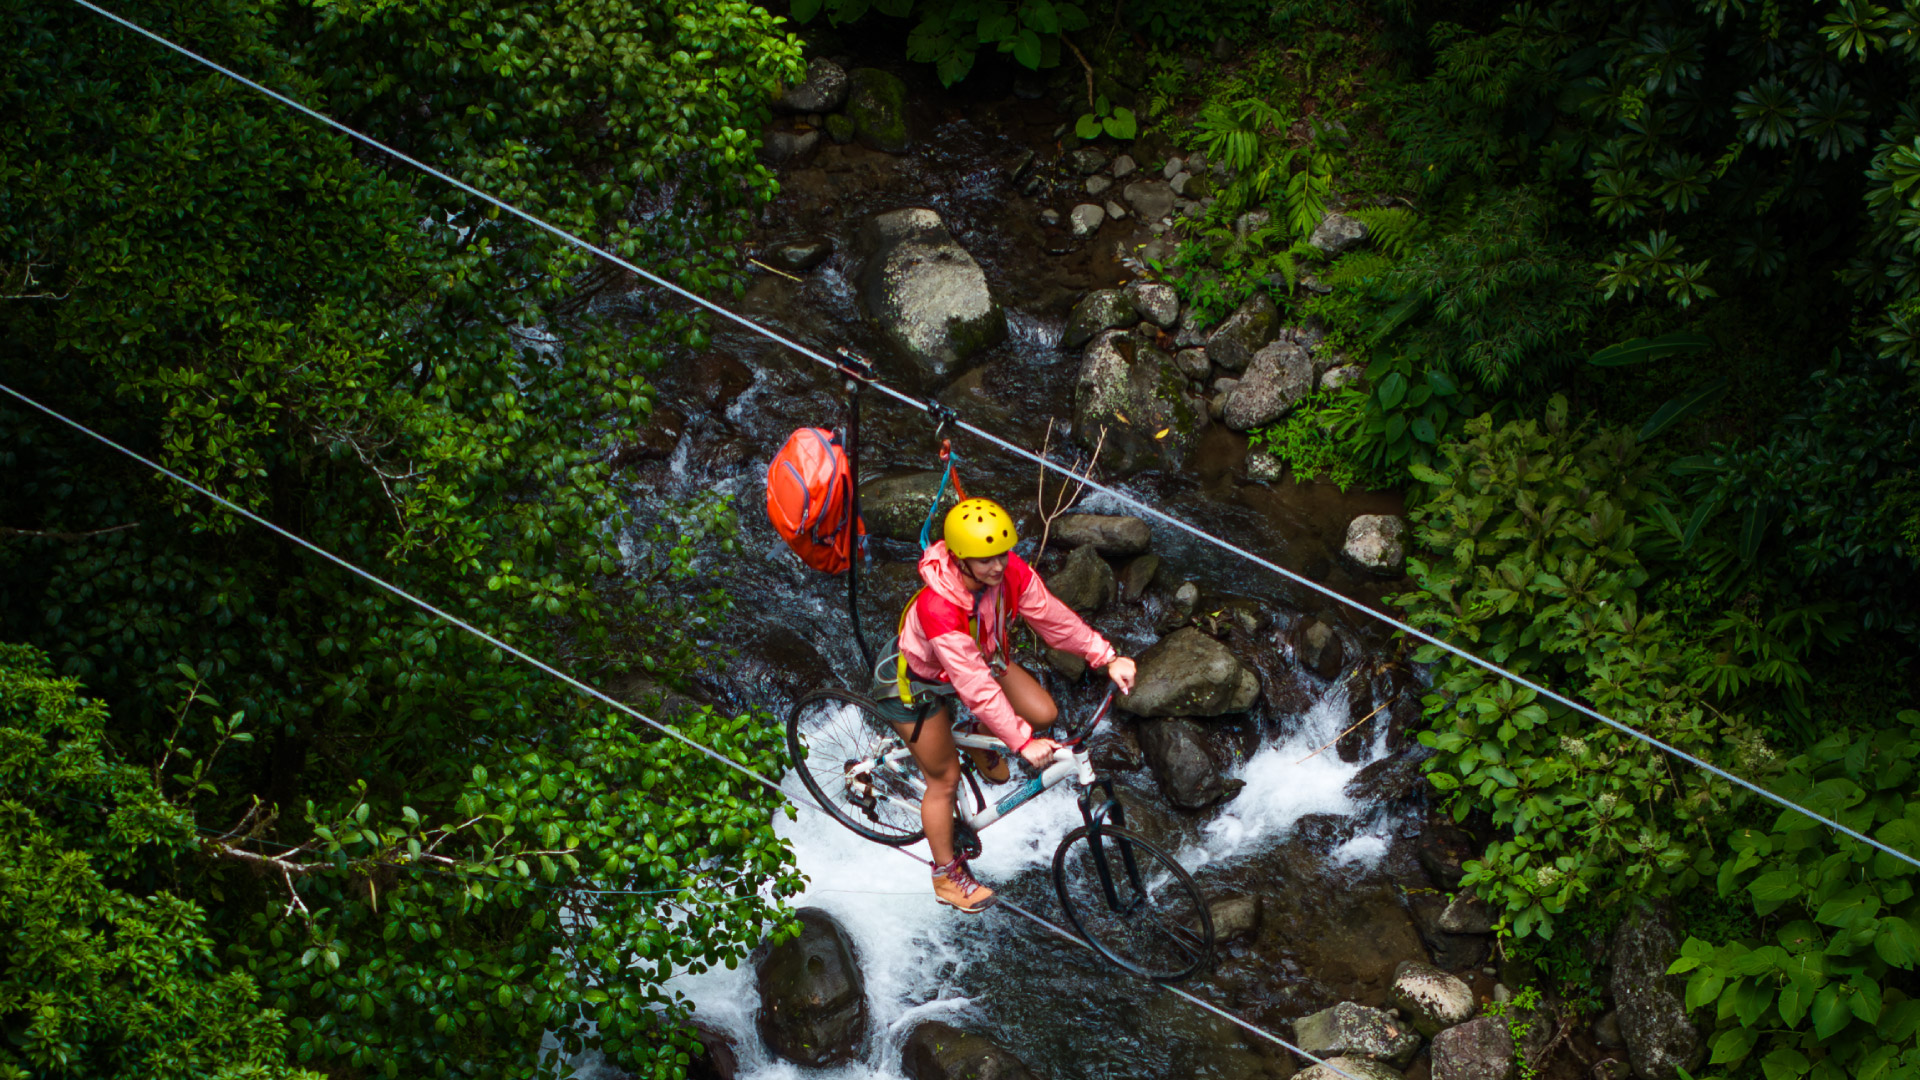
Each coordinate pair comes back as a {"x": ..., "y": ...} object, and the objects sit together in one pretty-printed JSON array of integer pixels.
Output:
[{"x": 953, "y": 641}]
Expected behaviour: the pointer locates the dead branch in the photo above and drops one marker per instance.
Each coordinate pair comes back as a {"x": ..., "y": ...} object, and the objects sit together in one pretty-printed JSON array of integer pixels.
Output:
[
  {"x": 28, "y": 281},
  {"x": 1082, "y": 57},
  {"x": 65, "y": 537},
  {"x": 1063, "y": 500},
  {"x": 1344, "y": 734}
]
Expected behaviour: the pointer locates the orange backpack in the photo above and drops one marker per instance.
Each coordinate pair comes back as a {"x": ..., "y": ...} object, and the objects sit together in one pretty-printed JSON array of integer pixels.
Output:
[{"x": 809, "y": 499}]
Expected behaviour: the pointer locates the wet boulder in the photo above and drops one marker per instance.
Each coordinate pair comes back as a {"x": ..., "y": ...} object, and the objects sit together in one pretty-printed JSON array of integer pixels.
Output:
[
  {"x": 1429, "y": 998},
  {"x": 1110, "y": 534},
  {"x": 813, "y": 998},
  {"x": 785, "y": 147},
  {"x": 1442, "y": 850},
  {"x": 1377, "y": 543},
  {"x": 1135, "y": 394},
  {"x": 1235, "y": 916},
  {"x": 1467, "y": 914},
  {"x": 1086, "y": 583},
  {"x": 1249, "y": 329},
  {"x": 927, "y": 293},
  {"x": 1356, "y": 1031},
  {"x": 1137, "y": 575},
  {"x": 1189, "y": 773},
  {"x": 717, "y": 1059},
  {"x": 1279, "y": 377},
  {"x": 1651, "y": 1003},
  {"x": 937, "y": 1051},
  {"x": 1085, "y": 220},
  {"x": 1158, "y": 304},
  {"x": 877, "y": 105},
  {"x": 1188, "y": 673},
  {"x": 1318, "y": 648},
  {"x": 1350, "y": 1068},
  {"x": 1101, "y": 309},
  {"x": 1345, "y": 375},
  {"x": 896, "y": 507},
  {"x": 1450, "y": 952},
  {"x": 1477, "y": 1050},
  {"x": 1391, "y": 780},
  {"x": 823, "y": 90},
  {"x": 1337, "y": 234},
  {"x": 798, "y": 256},
  {"x": 1069, "y": 666}
]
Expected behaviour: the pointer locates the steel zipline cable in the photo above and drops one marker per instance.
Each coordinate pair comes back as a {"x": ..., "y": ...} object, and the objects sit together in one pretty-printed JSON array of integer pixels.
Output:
[
  {"x": 1013, "y": 448},
  {"x": 597, "y": 695}
]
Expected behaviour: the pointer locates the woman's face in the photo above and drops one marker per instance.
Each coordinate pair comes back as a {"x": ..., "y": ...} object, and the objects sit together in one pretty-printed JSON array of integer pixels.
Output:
[{"x": 987, "y": 572}]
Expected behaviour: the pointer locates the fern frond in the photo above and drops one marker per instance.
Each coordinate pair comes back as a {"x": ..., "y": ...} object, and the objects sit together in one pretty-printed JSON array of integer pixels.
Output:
[
  {"x": 1393, "y": 229},
  {"x": 1359, "y": 267}
]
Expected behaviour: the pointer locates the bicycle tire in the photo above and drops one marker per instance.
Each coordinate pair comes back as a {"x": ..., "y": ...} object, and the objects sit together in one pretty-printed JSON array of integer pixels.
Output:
[
  {"x": 840, "y": 729},
  {"x": 1162, "y": 931}
]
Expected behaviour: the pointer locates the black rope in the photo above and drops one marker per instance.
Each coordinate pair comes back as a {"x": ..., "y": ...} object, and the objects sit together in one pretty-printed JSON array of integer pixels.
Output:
[{"x": 858, "y": 542}]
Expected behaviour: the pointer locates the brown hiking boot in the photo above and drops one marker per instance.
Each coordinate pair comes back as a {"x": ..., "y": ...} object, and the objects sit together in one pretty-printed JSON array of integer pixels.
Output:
[{"x": 953, "y": 885}]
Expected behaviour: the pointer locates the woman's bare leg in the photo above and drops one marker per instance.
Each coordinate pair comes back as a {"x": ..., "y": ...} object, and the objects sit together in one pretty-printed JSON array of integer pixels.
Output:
[
  {"x": 1029, "y": 698},
  {"x": 939, "y": 762}
]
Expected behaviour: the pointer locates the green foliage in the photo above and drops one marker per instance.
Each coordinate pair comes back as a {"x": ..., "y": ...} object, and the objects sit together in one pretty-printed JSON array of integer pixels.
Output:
[
  {"x": 1196, "y": 21},
  {"x": 409, "y": 379},
  {"x": 950, "y": 33},
  {"x": 1115, "y": 121},
  {"x": 1519, "y": 1013},
  {"x": 1315, "y": 440},
  {"x": 100, "y": 976}
]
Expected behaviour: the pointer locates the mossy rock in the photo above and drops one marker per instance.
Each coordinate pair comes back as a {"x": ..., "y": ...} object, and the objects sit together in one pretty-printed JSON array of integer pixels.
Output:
[{"x": 877, "y": 106}]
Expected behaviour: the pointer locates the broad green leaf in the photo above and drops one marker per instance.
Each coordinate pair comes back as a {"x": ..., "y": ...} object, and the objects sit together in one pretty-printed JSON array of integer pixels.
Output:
[
  {"x": 1896, "y": 942},
  {"x": 1026, "y": 49},
  {"x": 1392, "y": 390},
  {"x": 1733, "y": 1044},
  {"x": 1639, "y": 350},
  {"x": 1776, "y": 887},
  {"x": 1442, "y": 383},
  {"x": 1087, "y": 127},
  {"x": 1795, "y": 996},
  {"x": 1785, "y": 1063},
  {"x": 1865, "y": 1001},
  {"x": 1704, "y": 987},
  {"x": 1683, "y": 407},
  {"x": 1830, "y": 1012},
  {"x": 804, "y": 10}
]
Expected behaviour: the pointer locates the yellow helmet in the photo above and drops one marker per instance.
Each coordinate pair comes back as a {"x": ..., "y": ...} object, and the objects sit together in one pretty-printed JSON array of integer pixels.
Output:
[{"x": 979, "y": 529}]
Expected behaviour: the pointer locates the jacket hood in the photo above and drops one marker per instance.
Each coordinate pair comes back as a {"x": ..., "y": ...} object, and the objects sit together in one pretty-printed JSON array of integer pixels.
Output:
[{"x": 942, "y": 574}]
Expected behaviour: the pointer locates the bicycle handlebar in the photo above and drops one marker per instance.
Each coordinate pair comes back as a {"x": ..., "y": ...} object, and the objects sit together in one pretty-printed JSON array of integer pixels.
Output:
[{"x": 1099, "y": 714}]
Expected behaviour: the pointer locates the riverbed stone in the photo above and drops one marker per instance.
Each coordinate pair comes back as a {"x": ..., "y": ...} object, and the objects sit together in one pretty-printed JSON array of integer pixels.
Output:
[
  {"x": 1158, "y": 304},
  {"x": 1188, "y": 673},
  {"x": 1476, "y": 1050},
  {"x": 1193, "y": 363},
  {"x": 1337, "y": 233},
  {"x": 877, "y": 105},
  {"x": 1355, "y": 1030},
  {"x": 927, "y": 293},
  {"x": 1098, "y": 185},
  {"x": 1137, "y": 575},
  {"x": 1086, "y": 219},
  {"x": 1318, "y": 648},
  {"x": 823, "y": 90},
  {"x": 840, "y": 128},
  {"x": 1377, "y": 543},
  {"x": 1113, "y": 535},
  {"x": 1350, "y": 1068},
  {"x": 937, "y": 1051},
  {"x": 1085, "y": 583},
  {"x": 1123, "y": 167},
  {"x": 1115, "y": 211},
  {"x": 1151, "y": 199},
  {"x": 1651, "y": 1003},
  {"x": 1279, "y": 378},
  {"x": 1134, "y": 392},
  {"x": 1189, "y": 774},
  {"x": 1101, "y": 309},
  {"x": 1234, "y": 916},
  {"x": 895, "y": 507},
  {"x": 1343, "y": 376},
  {"x": 798, "y": 256},
  {"x": 813, "y": 998},
  {"x": 1086, "y": 161},
  {"x": 1252, "y": 325},
  {"x": 1432, "y": 1000},
  {"x": 786, "y": 147}
]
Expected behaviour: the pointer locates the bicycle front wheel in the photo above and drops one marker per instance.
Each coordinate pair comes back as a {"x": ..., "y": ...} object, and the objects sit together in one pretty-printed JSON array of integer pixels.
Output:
[
  {"x": 856, "y": 766},
  {"x": 1133, "y": 903}
]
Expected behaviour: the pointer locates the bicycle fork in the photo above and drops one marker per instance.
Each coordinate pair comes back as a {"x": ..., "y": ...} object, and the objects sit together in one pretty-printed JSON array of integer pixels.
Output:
[{"x": 1096, "y": 817}]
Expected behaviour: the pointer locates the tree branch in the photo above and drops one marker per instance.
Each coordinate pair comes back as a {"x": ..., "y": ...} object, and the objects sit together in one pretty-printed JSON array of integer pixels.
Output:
[
  {"x": 1082, "y": 57},
  {"x": 65, "y": 537}
]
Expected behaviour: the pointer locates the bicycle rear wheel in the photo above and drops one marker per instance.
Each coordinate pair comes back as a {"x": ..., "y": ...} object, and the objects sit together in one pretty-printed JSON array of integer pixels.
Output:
[
  {"x": 1144, "y": 912},
  {"x": 856, "y": 766}
]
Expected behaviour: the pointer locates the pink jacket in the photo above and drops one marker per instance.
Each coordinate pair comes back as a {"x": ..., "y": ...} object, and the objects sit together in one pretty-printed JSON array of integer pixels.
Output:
[{"x": 935, "y": 640}]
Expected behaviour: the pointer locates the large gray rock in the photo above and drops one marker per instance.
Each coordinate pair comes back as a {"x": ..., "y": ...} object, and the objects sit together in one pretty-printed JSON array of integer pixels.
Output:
[
  {"x": 1138, "y": 396},
  {"x": 1086, "y": 582},
  {"x": 1377, "y": 543},
  {"x": 1467, "y": 914},
  {"x": 1650, "y": 1002},
  {"x": 1189, "y": 773},
  {"x": 1318, "y": 648},
  {"x": 824, "y": 89},
  {"x": 1429, "y": 998},
  {"x": 1338, "y": 378},
  {"x": 1244, "y": 333},
  {"x": 1234, "y": 916},
  {"x": 1356, "y": 1031},
  {"x": 1477, "y": 1050},
  {"x": 1158, "y": 304},
  {"x": 1337, "y": 233},
  {"x": 877, "y": 105},
  {"x": 1188, "y": 673},
  {"x": 1085, "y": 220},
  {"x": 1151, "y": 199},
  {"x": 784, "y": 147},
  {"x": 1101, "y": 309},
  {"x": 937, "y": 1051},
  {"x": 1137, "y": 575},
  {"x": 896, "y": 506},
  {"x": 1113, "y": 535},
  {"x": 1350, "y": 1068},
  {"x": 813, "y": 999},
  {"x": 1279, "y": 378},
  {"x": 928, "y": 295}
]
